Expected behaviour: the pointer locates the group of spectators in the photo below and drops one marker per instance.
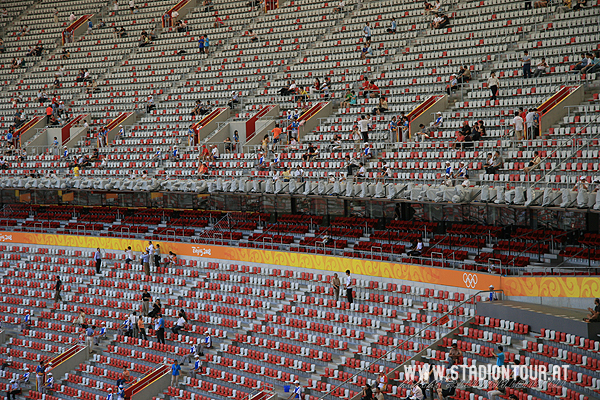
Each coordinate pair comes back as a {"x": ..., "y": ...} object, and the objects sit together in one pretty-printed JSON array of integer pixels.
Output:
[{"x": 301, "y": 94}]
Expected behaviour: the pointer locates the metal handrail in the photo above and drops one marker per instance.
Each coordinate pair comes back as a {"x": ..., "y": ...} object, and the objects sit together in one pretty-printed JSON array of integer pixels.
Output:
[
  {"x": 415, "y": 335},
  {"x": 573, "y": 152}
]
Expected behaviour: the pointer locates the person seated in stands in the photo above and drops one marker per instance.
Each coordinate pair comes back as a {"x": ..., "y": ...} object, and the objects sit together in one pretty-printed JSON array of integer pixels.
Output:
[
  {"x": 228, "y": 145},
  {"x": 365, "y": 87},
  {"x": 444, "y": 21},
  {"x": 311, "y": 153},
  {"x": 7, "y": 363},
  {"x": 65, "y": 54},
  {"x": 594, "y": 315},
  {"x": 13, "y": 389},
  {"x": 122, "y": 33},
  {"x": 150, "y": 104},
  {"x": 53, "y": 120},
  {"x": 290, "y": 89},
  {"x": 453, "y": 85},
  {"x": 95, "y": 155},
  {"x": 208, "y": 5},
  {"x": 581, "y": 64},
  {"x": 340, "y": 7},
  {"x": 234, "y": 100},
  {"x": 183, "y": 27},
  {"x": 541, "y": 68},
  {"x": 3, "y": 163},
  {"x": 218, "y": 22},
  {"x": 367, "y": 152},
  {"x": 461, "y": 172},
  {"x": 361, "y": 170},
  {"x": 593, "y": 64},
  {"x": 336, "y": 143},
  {"x": 214, "y": 153},
  {"x": 196, "y": 109},
  {"x": 439, "y": 120},
  {"x": 384, "y": 172},
  {"x": 497, "y": 163},
  {"x": 422, "y": 134},
  {"x": 80, "y": 76},
  {"x": 417, "y": 248},
  {"x": 203, "y": 170},
  {"x": 374, "y": 90},
  {"x": 381, "y": 107},
  {"x": 349, "y": 100},
  {"x": 37, "y": 51},
  {"x": 252, "y": 36},
  {"x": 465, "y": 74},
  {"x": 205, "y": 154},
  {"x": 144, "y": 39},
  {"x": 535, "y": 161},
  {"x": 2, "y": 46},
  {"x": 540, "y": 3},
  {"x": 4, "y": 12},
  {"x": 366, "y": 50},
  {"x": 579, "y": 5}
]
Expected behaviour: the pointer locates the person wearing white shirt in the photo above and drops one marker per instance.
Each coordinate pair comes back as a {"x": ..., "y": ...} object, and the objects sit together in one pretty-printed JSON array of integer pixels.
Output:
[
  {"x": 518, "y": 125},
  {"x": 133, "y": 318},
  {"x": 493, "y": 83},
  {"x": 178, "y": 325},
  {"x": 297, "y": 392},
  {"x": 367, "y": 31},
  {"x": 348, "y": 286},
  {"x": 299, "y": 173},
  {"x": 131, "y": 6},
  {"x": 415, "y": 392},
  {"x": 529, "y": 122},
  {"x": 361, "y": 171},
  {"x": 174, "y": 16},
  {"x": 193, "y": 353},
  {"x": 150, "y": 250},
  {"x": 363, "y": 124},
  {"x": 72, "y": 17},
  {"x": 215, "y": 153}
]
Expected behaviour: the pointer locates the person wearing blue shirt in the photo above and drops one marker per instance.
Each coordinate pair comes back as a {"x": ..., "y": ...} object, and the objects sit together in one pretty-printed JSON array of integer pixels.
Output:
[
  {"x": 40, "y": 373},
  {"x": 392, "y": 28},
  {"x": 449, "y": 170},
  {"x": 201, "y": 44},
  {"x": 439, "y": 121},
  {"x": 121, "y": 393},
  {"x": 197, "y": 367},
  {"x": 367, "y": 31},
  {"x": 49, "y": 383},
  {"x": 90, "y": 26},
  {"x": 188, "y": 357},
  {"x": 89, "y": 338},
  {"x": 206, "y": 44},
  {"x": 175, "y": 368},
  {"x": 110, "y": 394},
  {"x": 159, "y": 327},
  {"x": 499, "y": 356},
  {"x": 393, "y": 128},
  {"x": 100, "y": 336},
  {"x": 25, "y": 377},
  {"x": 13, "y": 390},
  {"x": 207, "y": 342}
]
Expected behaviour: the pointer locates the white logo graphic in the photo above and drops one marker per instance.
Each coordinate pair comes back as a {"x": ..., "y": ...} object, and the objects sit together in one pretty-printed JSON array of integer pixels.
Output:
[
  {"x": 200, "y": 251},
  {"x": 4, "y": 238},
  {"x": 470, "y": 280}
]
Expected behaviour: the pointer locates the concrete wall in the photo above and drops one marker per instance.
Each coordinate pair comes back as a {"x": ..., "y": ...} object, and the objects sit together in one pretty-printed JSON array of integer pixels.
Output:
[
  {"x": 127, "y": 121},
  {"x": 313, "y": 122},
  {"x": 33, "y": 130},
  {"x": 209, "y": 128},
  {"x": 70, "y": 363},
  {"x": 426, "y": 117},
  {"x": 157, "y": 386},
  {"x": 559, "y": 111}
]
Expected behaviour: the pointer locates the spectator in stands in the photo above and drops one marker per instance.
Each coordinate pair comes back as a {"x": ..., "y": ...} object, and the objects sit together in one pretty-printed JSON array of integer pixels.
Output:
[
  {"x": 150, "y": 104},
  {"x": 218, "y": 22},
  {"x": 234, "y": 100},
  {"x": 582, "y": 63},
  {"x": 417, "y": 248},
  {"x": 374, "y": 90},
  {"x": 384, "y": 172},
  {"x": 462, "y": 171},
  {"x": 594, "y": 315},
  {"x": 24, "y": 379},
  {"x": 13, "y": 389},
  {"x": 535, "y": 161},
  {"x": 98, "y": 259},
  {"x": 349, "y": 99},
  {"x": 393, "y": 26},
  {"x": 175, "y": 371},
  {"x": 393, "y": 129},
  {"x": 144, "y": 39},
  {"x": 593, "y": 64},
  {"x": 252, "y": 36},
  {"x": 526, "y": 59},
  {"x": 214, "y": 153},
  {"x": 530, "y": 123},
  {"x": 72, "y": 18},
  {"x": 541, "y": 68},
  {"x": 367, "y": 393},
  {"x": 499, "y": 356},
  {"x": 439, "y": 121},
  {"x": 291, "y": 89},
  {"x": 335, "y": 286},
  {"x": 580, "y": 185},
  {"x": 57, "y": 289},
  {"x": 121, "y": 32},
  {"x": 422, "y": 134},
  {"x": 381, "y": 107},
  {"x": 367, "y": 32},
  {"x": 364, "y": 125},
  {"x": 159, "y": 327},
  {"x": 311, "y": 153},
  {"x": 179, "y": 325},
  {"x": 493, "y": 84},
  {"x": 8, "y": 362},
  {"x": 454, "y": 356},
  {"x": 49, "y": 385},
  {"x": 453, "y": 84},
  {"x": 367, "y": 151},
  {"x": 197, "y": 368},
  {"x": 440, "y": 21},
  {"x": 579, "y": 5},
  {"x": 2, "y": 46},
  {"x": 464, "y": 74},
  {"x": 350, "y": 164},
  {"x": 366, "y": 50},
  {"x": 415, "y": 393},
  {"x": 518, "y": 126},
  {"x": 339, "y": 8},
  {"x": 497, "y": 163}
]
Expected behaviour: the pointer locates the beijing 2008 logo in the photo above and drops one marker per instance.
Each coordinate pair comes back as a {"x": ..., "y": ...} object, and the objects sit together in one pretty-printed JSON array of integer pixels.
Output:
[
  {"x": 470, "y": 280},
  {"x": 200, "y": 251}
]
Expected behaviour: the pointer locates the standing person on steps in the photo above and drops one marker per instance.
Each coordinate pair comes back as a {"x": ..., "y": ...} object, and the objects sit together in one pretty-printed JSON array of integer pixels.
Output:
[
  {"x": 98, "y": 259},
  {"x": 348, "y": 286}
]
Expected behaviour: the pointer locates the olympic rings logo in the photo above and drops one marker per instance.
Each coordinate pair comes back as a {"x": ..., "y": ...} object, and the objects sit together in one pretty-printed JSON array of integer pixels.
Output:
[{"x": 470, "y": 280}]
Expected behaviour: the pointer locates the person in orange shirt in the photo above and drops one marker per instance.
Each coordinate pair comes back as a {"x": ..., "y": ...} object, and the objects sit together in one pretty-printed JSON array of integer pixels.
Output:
[{"x": 276, "y": 132}]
